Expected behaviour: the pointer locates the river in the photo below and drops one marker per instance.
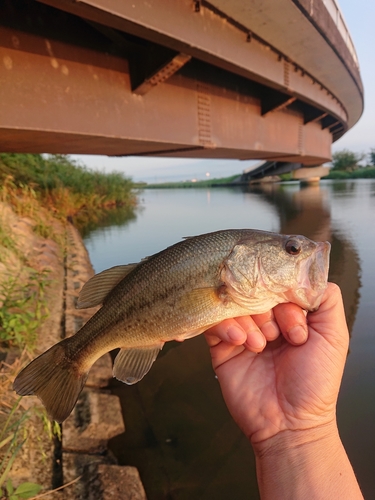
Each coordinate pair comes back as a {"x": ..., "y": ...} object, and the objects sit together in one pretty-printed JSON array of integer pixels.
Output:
[{"x": 179, "y": 433}]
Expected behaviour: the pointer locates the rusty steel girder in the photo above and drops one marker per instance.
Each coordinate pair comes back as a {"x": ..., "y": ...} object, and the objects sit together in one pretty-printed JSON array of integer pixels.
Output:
[{"x": 158, "y": 78}]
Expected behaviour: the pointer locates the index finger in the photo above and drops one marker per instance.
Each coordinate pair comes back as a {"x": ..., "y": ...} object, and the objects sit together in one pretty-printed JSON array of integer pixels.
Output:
[
  {"x": 237, "y": 331},
  {"x": 292, "y": 322}
]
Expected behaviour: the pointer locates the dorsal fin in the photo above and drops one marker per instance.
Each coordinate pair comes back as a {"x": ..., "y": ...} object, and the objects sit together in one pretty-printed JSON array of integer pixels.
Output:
[{"x": 98, "y": 287}]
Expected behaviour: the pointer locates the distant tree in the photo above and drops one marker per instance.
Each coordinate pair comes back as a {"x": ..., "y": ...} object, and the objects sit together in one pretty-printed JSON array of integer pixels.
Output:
[
  {"x": 372, "y": 157},
  {"x": 346, "y": 160}
]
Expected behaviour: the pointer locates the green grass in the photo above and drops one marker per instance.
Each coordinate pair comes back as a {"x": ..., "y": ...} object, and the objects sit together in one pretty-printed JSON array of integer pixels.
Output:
[
  {"x": 13, "y": 437},
  {"x": 361, "y": 173},
  {"x": 64, "y": 187},
  {"x": 22, "y": 309}
]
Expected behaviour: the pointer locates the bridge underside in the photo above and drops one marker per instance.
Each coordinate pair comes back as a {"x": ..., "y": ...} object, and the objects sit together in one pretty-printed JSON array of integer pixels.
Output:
[
  {"x": 81, "y": 80},
  {"x": 271, "y": 170}
]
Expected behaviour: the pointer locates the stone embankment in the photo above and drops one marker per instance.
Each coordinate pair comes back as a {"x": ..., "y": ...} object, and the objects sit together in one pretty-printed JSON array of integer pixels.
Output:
[{"x": 83, "y": 452}]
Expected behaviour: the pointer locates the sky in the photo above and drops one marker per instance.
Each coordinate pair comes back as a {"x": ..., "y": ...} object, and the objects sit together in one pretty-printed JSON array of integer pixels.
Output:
[{"x": 360, "y": 19}]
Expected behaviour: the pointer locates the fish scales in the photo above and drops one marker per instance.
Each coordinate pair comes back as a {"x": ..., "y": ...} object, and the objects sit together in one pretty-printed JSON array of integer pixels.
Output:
[
  {"x": 176, "y": 294},
  {"x": 165, "y": 275}
]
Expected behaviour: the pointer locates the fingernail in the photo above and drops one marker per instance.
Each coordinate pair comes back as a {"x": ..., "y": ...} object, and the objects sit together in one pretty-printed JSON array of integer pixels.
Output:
[
  {"x": 297, "y": 334},
  {"x": 270, "y": 330},
  {"x": 257, "y": 340},
  {"x": 236, "y": 334}
]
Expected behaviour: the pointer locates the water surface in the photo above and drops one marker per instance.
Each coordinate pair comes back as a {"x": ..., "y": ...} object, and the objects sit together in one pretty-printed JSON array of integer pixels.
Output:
[{"x": 179, "y": 433}]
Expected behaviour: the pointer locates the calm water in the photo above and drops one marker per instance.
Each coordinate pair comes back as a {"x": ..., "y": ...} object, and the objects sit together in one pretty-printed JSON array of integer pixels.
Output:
[{"x": 179, "y": 433}]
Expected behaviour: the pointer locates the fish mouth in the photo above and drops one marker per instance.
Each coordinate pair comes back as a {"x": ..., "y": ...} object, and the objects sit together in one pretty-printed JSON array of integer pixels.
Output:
[{"x": 313, "y": 277}]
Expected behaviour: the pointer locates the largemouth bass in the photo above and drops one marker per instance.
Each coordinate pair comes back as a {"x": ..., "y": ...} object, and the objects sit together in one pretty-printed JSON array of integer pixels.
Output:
[{"x": 175, "y": 294}]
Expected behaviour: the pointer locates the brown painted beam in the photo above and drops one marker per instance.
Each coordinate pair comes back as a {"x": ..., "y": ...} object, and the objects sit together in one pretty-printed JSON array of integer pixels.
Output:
[
  {"x": 81, "y": 85},
  {"x": 329, "y": 121},
  {"x": 312, "y": 114},
  {"x": 59, "y": 100},
  {"x": 273, "y": 100},
  {"x": 160, "y": 75},
  {"x": 212, "y": 37}
]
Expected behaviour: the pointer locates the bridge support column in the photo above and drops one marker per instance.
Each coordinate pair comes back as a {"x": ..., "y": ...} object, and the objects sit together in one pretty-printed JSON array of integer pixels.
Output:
[{"x": 310, "y": 175}]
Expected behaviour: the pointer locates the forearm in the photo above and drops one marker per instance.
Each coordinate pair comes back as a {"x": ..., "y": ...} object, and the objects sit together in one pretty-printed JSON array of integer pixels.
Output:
[{"x": 310, "y": 464}]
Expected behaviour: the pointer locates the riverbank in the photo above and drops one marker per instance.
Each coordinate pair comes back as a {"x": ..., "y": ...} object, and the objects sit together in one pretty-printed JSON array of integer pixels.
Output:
[
  {"x": 235, "y": 180},
  {"x": 67, "y": 189},
  {"x": 43, "y": 265}
]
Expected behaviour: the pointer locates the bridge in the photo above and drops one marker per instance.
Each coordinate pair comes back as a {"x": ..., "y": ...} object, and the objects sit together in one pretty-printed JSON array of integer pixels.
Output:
[
  {"x": 269, "y": 171},
  {"x": 276, "y": 81}
]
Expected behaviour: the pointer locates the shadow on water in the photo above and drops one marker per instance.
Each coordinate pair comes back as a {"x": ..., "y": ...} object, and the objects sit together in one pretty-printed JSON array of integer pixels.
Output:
[{"x": 180, "y": 435}]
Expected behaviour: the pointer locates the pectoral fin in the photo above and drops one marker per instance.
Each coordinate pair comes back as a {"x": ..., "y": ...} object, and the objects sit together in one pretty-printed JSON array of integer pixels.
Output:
[
  {"x": 98, "y": 287},
  {"x": 205, "y": 299},
  {"x": 131, "y": 365},
  {"x": 203, "y": 303}
]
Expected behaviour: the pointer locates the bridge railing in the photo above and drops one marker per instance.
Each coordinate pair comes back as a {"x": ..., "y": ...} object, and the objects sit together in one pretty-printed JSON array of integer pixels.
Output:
[{"x": 334, "y": 10}]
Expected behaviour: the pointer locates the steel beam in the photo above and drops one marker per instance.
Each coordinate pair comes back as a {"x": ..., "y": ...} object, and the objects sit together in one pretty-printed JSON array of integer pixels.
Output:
[
  {"x": 305, "y": 31},
  {"x": 269, "y": 168},
  {"x": 63, "y": 101},
  {"x": 201, "y": 34},
  {"x": 275, "y": 101},
  {"x": 161, "y": 74},
  {"x": 156, "y": 78}
]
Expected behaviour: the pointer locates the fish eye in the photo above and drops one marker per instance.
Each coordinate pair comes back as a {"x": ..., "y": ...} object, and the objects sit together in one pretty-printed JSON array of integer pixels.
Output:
[{"x": 293, "y": 247}]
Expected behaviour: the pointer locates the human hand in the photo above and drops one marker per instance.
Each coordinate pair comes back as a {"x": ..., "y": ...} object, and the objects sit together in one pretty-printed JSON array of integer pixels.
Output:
[{"x": 291, "y": 383}]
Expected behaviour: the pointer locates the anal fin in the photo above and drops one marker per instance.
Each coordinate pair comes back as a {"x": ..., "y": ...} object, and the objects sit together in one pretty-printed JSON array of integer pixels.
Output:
[{"x": 131, "y": 365}]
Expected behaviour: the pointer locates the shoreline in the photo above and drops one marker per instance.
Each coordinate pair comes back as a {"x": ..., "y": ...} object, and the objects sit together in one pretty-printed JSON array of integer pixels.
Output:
[
  {"x": 234, "y": 180},
  {"x": 82, "y": 451}
]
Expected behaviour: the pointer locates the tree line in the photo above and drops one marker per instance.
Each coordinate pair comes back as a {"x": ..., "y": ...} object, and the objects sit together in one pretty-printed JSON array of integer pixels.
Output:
[{"x": 349, "y": 161}]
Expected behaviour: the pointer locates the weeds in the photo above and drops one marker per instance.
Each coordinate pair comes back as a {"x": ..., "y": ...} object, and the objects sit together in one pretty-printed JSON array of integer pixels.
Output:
[
  {"x": 22, "y": 310},
  {"x": 26, "y": 203},
  {"x": 12, "y": 439},
  {"x": 43, "y": 189},
  {"x": 7, "y": 242},
  {"x": 65, "y": 188},
  {"x": 50, "y": 427},
  {"x": 361, "y": 173},
  {"x": 24, "y": 490}
]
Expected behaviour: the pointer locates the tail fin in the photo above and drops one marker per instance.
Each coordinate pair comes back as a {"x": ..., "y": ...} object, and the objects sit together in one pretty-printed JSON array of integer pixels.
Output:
[{"x": 54, "y": 379}]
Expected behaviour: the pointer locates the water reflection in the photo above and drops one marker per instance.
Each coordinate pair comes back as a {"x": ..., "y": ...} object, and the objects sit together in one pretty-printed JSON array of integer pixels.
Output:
[
  {"x": 305, "y": 209},
  {"x": 301, "y": 210},
  {"x": 118, "y": 217},
  {"x": 346, "y": 188}
]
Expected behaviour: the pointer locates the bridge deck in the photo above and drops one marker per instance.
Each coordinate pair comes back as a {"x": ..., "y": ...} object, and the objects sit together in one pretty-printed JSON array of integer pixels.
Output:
[{"x": 191, "y": 79}]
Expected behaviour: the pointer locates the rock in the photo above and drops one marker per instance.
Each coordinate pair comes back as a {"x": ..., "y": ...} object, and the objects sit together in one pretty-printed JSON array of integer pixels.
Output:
[
  {"x": 85, "y": 468},
  {"x": 98, "y": 477},
  {"x": 117, "y": 482},
  {"x": 95, "y": 419}
]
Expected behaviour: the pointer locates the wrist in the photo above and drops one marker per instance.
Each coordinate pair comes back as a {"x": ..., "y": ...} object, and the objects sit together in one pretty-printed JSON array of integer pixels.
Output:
[
  {"x": 309, "y": 463},
  {"x": 294, "y": 441}
]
